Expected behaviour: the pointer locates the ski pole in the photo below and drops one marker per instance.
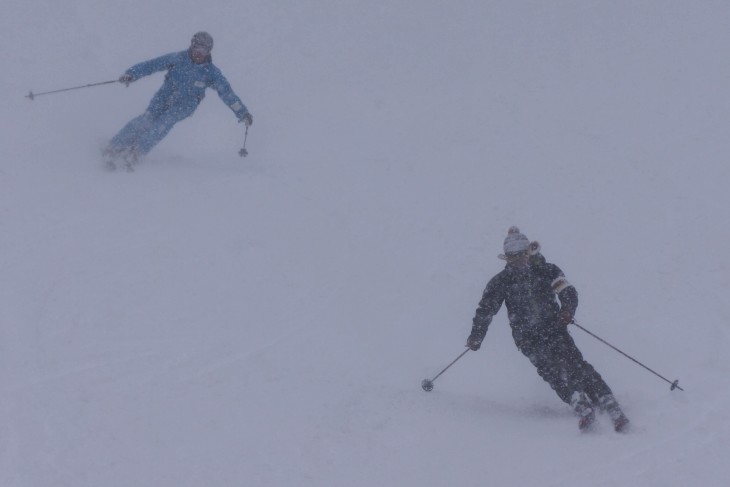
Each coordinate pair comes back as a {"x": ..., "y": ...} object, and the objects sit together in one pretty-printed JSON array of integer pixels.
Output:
[
  {"x": 674, "y": 385},
  {"x": 243, "y": 152},
  {"x": 427, "y": 384},
  {"x": 32, "y": 95}
]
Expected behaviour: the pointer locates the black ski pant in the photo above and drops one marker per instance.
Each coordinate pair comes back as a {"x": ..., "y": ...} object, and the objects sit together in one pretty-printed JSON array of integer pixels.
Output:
[{"x": 560, "y": 363}]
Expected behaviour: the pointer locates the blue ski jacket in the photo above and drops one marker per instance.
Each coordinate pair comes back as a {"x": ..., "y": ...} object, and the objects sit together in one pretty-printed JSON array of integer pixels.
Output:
[{"x": 185, "y": 84}]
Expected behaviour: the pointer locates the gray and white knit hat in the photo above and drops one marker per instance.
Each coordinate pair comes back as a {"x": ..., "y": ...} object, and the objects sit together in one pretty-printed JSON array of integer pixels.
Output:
[{"x": 516, "y": 242}]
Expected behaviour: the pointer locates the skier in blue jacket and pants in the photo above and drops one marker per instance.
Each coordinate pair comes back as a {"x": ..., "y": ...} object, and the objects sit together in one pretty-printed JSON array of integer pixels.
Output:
[{"x": 189, "y": 73}]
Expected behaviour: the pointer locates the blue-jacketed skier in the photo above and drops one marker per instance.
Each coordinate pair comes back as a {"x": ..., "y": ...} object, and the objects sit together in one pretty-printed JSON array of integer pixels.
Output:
[
  {"x": 529, "y": 286},
  {"x": 189, "y": 73}
]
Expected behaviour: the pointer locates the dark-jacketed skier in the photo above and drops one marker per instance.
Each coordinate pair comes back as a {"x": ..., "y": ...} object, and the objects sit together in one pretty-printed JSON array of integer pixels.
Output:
[
  {"x": 189, "y": 73},
  {"x": 529, "y": 286}
]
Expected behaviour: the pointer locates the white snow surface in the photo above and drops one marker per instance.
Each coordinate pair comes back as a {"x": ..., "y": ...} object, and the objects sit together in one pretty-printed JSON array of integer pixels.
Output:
[{"x": 210, "y": 320}]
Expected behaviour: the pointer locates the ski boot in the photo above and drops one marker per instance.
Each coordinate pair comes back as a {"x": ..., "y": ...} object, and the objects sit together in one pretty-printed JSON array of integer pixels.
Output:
[
  {"x": 126, "y": 158},
  {"x": 582, "y": 407},
  {"x": 609, "y": 404},
  {"x": 130, "y": 158},
  {"x": 110, "y": 156}
]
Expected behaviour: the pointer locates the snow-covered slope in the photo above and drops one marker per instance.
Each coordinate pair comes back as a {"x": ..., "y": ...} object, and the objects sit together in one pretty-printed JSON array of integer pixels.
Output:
[{"x": 212, "y": 320}]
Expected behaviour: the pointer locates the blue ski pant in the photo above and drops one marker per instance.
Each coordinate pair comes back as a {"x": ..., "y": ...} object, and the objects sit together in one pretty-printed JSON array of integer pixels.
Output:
[{"x": 144, "y": 132}]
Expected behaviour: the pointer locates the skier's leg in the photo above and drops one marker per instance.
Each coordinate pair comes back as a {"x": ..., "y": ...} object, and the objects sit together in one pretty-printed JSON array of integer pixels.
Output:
[
  {"x": 160, "y": 128},
  {"x": 127, "y": 138},
  {"x": 546, "y": 359},
  {"x": 581, "y": 375},
  {"x": 155, "y": 134},
  {"x": 584, "y": 379},
  {"x": 547, "y": 355},
  {"x": 121, "y": 147}
]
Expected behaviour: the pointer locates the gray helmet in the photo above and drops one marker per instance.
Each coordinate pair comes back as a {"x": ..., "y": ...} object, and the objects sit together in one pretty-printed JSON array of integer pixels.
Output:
[{"x": 202, "y": 39}]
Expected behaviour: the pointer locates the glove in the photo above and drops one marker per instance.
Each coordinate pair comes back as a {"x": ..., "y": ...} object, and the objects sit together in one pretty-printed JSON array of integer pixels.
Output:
[
  {"x": 126, "y": 79},
  {"x": 475, "y": 339},
  {"x": 247, "y": 119},
  {"x": 474, "y": 342},
  {"x": 565, "y": 317}
]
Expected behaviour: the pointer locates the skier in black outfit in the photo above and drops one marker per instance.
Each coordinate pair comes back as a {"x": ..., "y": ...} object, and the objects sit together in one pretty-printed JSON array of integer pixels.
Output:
[{"x": 528, "y": 285}]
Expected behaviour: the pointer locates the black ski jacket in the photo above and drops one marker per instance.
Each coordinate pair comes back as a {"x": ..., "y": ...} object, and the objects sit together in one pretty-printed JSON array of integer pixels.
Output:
[{"x": 530, "y": 295}]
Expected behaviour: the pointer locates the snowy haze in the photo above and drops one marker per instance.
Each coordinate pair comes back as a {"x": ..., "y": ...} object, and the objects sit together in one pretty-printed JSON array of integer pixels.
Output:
[{"x": 215, "y": 321}]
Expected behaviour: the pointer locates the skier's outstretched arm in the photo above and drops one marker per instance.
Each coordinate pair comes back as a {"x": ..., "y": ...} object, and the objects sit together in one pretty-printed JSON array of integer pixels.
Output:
[
  {"x": 225, "y": 92},
  {"x": 145, "y": 68},
  {"x": 489, "y": 305}
]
